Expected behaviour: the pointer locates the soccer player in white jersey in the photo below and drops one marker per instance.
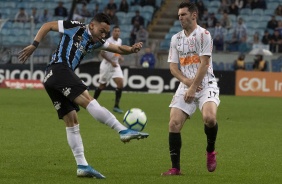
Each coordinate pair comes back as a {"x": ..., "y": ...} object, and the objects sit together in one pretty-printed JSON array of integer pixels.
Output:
[
  {"x": 190, "y": 58},
  {"x": 110, "y": 68}
]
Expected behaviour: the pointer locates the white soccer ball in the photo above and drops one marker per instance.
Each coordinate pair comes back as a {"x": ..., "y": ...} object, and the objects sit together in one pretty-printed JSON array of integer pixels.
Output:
[
  {"x": 145, "y": 64},
  {"x": 135, "y": 119}
]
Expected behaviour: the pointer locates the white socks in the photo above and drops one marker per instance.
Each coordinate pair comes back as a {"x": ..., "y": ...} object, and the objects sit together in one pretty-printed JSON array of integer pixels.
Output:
[
  {"x": 76, "y": 145},
  {"x": 104, "y": 116}
]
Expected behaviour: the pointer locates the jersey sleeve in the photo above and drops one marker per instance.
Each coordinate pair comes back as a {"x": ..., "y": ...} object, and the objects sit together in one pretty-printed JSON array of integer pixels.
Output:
[
  {"x": 173, "y": 53},
  {"x": 68, "y": 25},
  {"x": 205, "y": 43},
  {"x": 105, "y": 45}
]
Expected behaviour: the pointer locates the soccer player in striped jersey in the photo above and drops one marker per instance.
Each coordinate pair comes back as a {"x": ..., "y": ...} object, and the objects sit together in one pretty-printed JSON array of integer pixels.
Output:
[
  {"x": 66, "y": 89},
  {"x": 110, "y": 68},
  {"x": 190, "y": 58}
]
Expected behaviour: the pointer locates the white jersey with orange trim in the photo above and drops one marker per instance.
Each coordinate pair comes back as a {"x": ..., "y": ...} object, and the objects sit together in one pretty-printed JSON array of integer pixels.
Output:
[
  {"x": 187, "y": 51},
  {"x": 114, "y": 57},
  {"x": 107, "y": 71}
]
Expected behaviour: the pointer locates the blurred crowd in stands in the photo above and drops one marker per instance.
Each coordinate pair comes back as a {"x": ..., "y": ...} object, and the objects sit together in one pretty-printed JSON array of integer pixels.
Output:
[
  {"x": 125, "y": 13},
  {"x": 235, "y": 25},
  {"x": 241, "y": 25}
]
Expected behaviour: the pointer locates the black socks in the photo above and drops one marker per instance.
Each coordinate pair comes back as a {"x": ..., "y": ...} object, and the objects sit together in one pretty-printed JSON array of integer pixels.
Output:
[
  {"x": 118, "y": 96},
  {"x": 211, "y": 137},
  {"x": 97, "y": 93},
  {"x": 174, "y": 149}
]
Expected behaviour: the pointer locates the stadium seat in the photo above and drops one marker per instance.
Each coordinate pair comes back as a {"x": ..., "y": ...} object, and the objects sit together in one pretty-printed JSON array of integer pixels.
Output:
[
  {"x": 122, "y": 21},
  {"x": 121, "y": 15},
  {"x": 228, "y": 36},
  {"x": 165, "y": 44},
  {"x": 7, "y": 11},
  {"x": 252, "y": 24},
  {"x": 124, "y": 35},
  {"x": 39, "y": 5},
  {"x": 214, "y": 4},
  {"x": 5, "y": 31},
  {"x": 22, "y": 4},
  {"x": 24, "y": 33},
  {"x": 23, "y": 40},
  {"x": 148, "y": 8},
  {"x": 257, "y": 12},
  {"x": 277, "y": 65},
  {"x": 272, "y": 5},
  {"x": 251, "y": 18},
  {"x": 175, "y": 29},
  {"x": 245, "y": 11},
  {"x": 270, "y": 31},
  {"x": 129, "y": 16},
  {"x": 213, "y": 10},
  {"x": 27, "y": 25},
  {"x": 9, "y": 4},
  {"x": 269, "y": 12},
  {"x": 18, "y": 25},
  {"x": 159, "y": 3},
  {"x": 279, "y": 18},
  {"x": 147, "y": 16},
  {"x": 50, "y": 5},
  {"x": 265, "y": 18},
  {"x": 10, "y": 40},
  {"x": 126, "y": 27},
  {"x": 7, "y": 24},
  {"x": 176, "y": 23},
  {"x": 134, "y": 8},
  {"x": 218, "y": 16},
  {"x": 168, "y": 36},
  {"x": 232, "y": 17},
  {"x": 5, "y": 15},
  {"x": 206, "y": 2}
]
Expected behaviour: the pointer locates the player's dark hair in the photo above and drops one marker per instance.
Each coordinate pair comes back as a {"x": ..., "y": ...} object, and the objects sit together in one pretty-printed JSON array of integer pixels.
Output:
[
  {"x": 102, "y": 17},
  {"x": 192, "y": 7},
  {"x": 116, "y": 27}
]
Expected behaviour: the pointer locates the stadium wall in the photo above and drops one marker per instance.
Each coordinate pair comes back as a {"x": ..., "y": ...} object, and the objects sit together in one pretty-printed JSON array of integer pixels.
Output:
[{"x": 136, "y": 80}]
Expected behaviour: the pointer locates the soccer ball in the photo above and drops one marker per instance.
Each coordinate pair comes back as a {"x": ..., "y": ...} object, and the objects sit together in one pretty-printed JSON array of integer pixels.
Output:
[
  {"x": 135, "y": 119},
  {"x": 145, "y": 64}
]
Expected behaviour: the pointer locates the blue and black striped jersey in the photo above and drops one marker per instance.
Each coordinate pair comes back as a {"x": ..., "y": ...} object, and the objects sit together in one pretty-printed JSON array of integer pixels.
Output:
[{"x": 76, "y": 41}]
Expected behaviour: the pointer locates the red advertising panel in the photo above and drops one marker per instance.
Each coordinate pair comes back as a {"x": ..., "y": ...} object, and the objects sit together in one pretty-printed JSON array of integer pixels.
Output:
[
  {"x": 22, "y": 84},
  {"x": 258, "y": 84}
]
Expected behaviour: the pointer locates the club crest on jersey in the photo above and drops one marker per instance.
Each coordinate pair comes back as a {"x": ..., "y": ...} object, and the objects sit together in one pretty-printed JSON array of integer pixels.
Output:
[
  {"x": 57, "y": 105},
  {"x": 66, "y": 91},
  {"x": 192, "y": 42}
]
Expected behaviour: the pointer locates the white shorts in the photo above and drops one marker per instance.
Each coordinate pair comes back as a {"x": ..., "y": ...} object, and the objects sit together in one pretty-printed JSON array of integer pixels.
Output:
[
  {"x": 107, "y": 71},
  {"x": 208, "y": 94}
]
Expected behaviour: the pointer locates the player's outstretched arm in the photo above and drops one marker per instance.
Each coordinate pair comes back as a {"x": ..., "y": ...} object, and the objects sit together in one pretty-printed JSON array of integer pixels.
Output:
[
  {"x": 45, "y": 28},
  {"x": 124, "y": 49}
]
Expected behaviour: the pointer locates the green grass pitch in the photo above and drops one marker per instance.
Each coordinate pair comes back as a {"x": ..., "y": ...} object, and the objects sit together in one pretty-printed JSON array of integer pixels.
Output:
[{"x": 34, "y": 148}]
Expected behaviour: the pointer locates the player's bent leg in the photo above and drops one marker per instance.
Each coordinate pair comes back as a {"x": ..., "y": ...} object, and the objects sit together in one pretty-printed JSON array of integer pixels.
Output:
[
  {"x": 104, "y": 116},
  {"x": 211, "y": 128},
  {"x": 176, "y": 122},
  {"x": 88, "y": 171}
]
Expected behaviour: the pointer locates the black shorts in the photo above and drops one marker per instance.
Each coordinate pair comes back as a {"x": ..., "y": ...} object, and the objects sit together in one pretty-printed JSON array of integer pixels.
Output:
[{"x": 63, "y": 86}]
